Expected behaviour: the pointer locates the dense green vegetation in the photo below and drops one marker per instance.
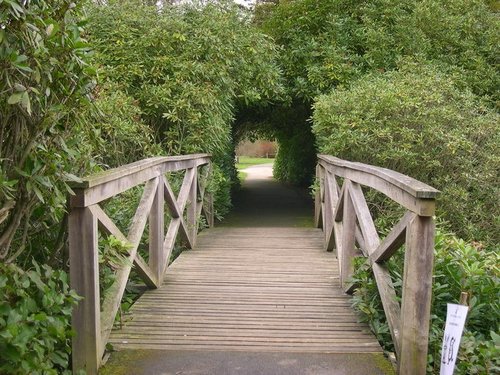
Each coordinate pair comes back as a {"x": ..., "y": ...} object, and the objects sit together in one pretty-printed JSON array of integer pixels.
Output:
[{"x": 412, "y": 86}]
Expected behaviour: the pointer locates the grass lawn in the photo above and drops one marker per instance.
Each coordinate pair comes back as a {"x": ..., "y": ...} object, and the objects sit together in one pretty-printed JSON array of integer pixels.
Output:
[{"x": 246, "y": 161}]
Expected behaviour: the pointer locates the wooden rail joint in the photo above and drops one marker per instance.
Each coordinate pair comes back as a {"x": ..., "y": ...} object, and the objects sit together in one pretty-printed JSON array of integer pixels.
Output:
[
  {"x": 91, "y": 321},
  {"x": 343, "y": 213}
]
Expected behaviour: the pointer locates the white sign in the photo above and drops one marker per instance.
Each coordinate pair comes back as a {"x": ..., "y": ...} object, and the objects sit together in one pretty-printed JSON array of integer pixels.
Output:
[{"x": 455, "y": 321}]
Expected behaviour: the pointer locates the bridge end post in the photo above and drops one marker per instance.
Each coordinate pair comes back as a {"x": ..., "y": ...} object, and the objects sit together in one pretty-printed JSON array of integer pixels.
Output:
[
  {"x": 84, "y": 279},
  {"x": 417, "y": 293}
]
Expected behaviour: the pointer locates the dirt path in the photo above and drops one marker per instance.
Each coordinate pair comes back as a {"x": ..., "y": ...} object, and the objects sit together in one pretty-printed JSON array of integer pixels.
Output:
[{"x": 265, "y": 202}]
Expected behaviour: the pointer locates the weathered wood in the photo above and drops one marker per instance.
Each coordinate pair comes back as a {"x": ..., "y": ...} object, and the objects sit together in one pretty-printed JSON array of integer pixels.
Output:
[
  {"x": 346, "y": 258},
  {"x": 108, "y": 227},
  {"x": 347, "y": 169},
  {"x": 93, "y": 327},
  {"x": 104, "y": 190},
  {"x": 328, "y": 207},
  {"x": 421, "y": 206},
  {"x": 409, "y": 323},
  {"x": 370, "y": 236},
  {"x": 417, "y": 292},
  {"x": 114, "y": 294},
  {"x": 145, "y": 273},
  {"x": 339, "y": 209},
  {"x": 184, "y": 193},
  {"x": 157, "y": 232},
  {"x": 192, "y": 210},
  {"x": 252, "y": 298},
  {"x": 170, "y": 200},
  {"x": 394, "y": 240},
  {"x": 84, "y": 279},
  {"x": 166, "y": 164},
  {"x": 318, "y": 219},
  {"x": 389, "y": 302}
]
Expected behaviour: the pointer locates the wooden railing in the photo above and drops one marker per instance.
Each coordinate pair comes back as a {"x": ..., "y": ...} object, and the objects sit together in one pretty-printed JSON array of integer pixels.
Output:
[
  {"x": 343, "y": 214},
  {"x": 92, "y": 323}
]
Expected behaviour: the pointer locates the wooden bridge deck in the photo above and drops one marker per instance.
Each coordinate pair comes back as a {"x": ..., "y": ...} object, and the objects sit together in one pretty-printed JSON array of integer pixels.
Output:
[{"x": 249, "y": 289}]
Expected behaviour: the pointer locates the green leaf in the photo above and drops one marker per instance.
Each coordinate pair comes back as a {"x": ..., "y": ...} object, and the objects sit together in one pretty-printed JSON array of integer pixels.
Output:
[
  {"x": 38, "y": 193},
  {"x": 25, "y": 102},
  {"x": 15, "y": 98},
  {"x": 19, "y": 87},
  {"x": 495, "y": 337},
  {"x": 49, "y": 29}
]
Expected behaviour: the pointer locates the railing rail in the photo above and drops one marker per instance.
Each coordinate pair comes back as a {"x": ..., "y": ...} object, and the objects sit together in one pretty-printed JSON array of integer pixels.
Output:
[
  {"x": 343, "y": 214},
  {"x": 92, "y": 323}
]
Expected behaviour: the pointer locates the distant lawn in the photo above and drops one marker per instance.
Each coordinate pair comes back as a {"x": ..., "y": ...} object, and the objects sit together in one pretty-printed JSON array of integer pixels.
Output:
[{"x": 246, "y": 161}]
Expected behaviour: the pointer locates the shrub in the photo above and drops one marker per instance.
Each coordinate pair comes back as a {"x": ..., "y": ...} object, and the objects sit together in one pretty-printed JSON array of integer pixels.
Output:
[
  {"x": 416, "y": 121},
  {"x": 332, "y": 43},
  {"x": 35, "y": 309},
  {"x": 189, "y": 68},
  {"x": 458, "y": 267},
  {"x": 43, "y": 80}
]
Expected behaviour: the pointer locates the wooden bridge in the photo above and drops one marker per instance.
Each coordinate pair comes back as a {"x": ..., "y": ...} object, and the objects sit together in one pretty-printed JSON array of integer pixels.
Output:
[{"x": 249, "y": 289}]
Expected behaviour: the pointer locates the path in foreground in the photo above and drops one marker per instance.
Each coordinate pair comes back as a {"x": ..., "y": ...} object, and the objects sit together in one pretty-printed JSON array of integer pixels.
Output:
[{"x": 252, "y": 300}]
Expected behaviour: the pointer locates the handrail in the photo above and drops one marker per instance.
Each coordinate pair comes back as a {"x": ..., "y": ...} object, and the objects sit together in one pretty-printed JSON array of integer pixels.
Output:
[
  {"x": 86, "y": 218},
  {"x": 343, "y": 214}
]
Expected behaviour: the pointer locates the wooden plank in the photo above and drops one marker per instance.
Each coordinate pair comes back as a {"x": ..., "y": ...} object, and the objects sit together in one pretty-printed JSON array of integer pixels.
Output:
[
  {"x": 170, "y": 200},
  {"x": 421, "y": 206},
  {"x": 176, "y": 163},
  {"x": 346, "y": 258},
  {"x": 146, "y": 274},
  {"x": 393, "y": 241},
  {"x": 350, "y": 170},
  {"x": 332, "y": 191},
  {"x": 108, "y": 227},
  {"x": 114, "y": 294},
  {"x": 103, "y": 190},
  {"x": 417, "y": 292},
  {"x": 192, "y": 210},
  {"x": 249, "y": 298},
  {"x": 339, "y": 210},
  {"x": 370, "y": 236},
  {"x": 185, "y": 190},
  {"x": 318, "y": 220},
  {"x": 389, "y": 302}
]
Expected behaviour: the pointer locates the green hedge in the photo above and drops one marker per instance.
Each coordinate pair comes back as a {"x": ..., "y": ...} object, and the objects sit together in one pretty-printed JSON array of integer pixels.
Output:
[{"x": 417, "y": 121}]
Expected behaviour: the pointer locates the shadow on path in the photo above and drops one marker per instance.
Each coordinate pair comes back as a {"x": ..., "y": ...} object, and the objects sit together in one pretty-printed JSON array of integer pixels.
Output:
[{"x": 265, "y": 202}]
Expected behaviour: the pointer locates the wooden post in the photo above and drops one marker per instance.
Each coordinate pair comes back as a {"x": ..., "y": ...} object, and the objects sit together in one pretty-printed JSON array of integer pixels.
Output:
[
  {"x": 192, "y": 220},
  {"x": 348, "y": 237},
  {"x": 84, "y": 279},
  {"x": 417, "y": 291},
  {"x": 157, "y": 233},
  {"x": 318, "y": 222}
]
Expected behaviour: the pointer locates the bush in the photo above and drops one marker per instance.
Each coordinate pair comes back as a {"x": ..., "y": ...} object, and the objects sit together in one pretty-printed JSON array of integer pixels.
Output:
[
  {"x": 458, "y": 267},
  {"x": 332, "y": 43},
  {"x": 43, "y": 80},
  {"x": 35, "y": 309},
  {"x": 189, "y": 68},
  {"x": 416, "y": 121}
]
